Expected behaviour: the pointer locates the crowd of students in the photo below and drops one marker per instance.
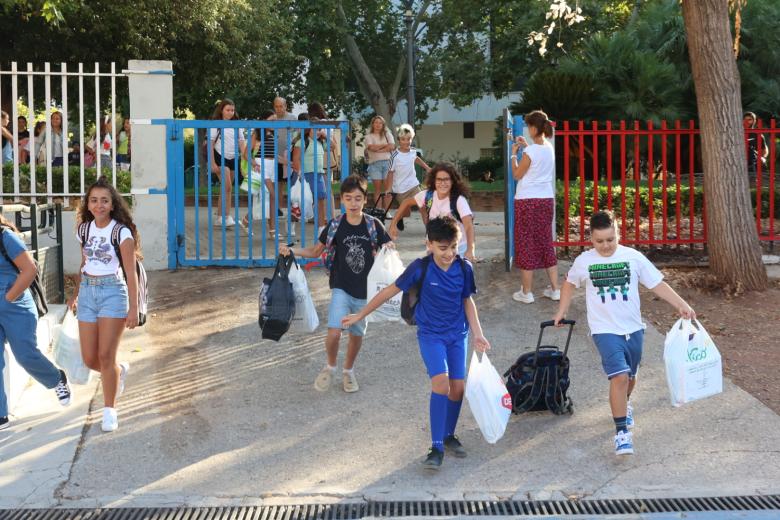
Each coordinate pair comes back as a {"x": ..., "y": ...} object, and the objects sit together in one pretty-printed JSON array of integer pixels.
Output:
[{"x": 446, "y": 314}]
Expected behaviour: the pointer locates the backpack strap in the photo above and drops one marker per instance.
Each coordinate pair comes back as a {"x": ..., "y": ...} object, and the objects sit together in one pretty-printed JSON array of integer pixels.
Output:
[
  {"x": 83, "y": 232},
  {"x": 4, "y": 251},
  {"x": 425, "y": 263},
  {"x": 115, "y": 234},
  {"x": 330, "y": 247},
  {"x": 453, "y": 205},
  {"x": 372, "y": 233}
]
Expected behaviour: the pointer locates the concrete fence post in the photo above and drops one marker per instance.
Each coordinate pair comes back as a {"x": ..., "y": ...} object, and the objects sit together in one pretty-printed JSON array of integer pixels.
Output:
[{"x": 151, "y": 97}]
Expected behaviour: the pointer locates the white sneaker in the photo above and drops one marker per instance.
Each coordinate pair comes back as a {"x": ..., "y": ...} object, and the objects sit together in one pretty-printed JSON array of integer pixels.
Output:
[
  {"x": 229, "y": 222},
  {"x": 110, "y": 422},
  {"x": 217, "y": 221},
  {"x": 624, "y": 443},
  {"x": 322, "y": 382},
  {"x": 523, "y": 297},
  {"x": 553, "y": 295},
  {"x": 124, "y": 368}
]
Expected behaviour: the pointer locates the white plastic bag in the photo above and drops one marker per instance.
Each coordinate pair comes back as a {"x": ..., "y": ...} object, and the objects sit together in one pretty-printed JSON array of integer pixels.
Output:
[
  {"x": 305, "y": 319},
  {"x": 306, "y": 203},
  {"x": 386, "y": 270},
  {"x": 261, "y": 197},
  {"x": 490, "y": 403},
  {"x": 693, "y": 364},
  {"x": 67, "y": 352}
]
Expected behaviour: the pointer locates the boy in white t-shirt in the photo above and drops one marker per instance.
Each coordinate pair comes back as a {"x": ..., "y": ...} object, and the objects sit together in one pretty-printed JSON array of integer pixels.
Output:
[
  {"x": 401, "y": 177},
  {"x": 612, "y": 274}
]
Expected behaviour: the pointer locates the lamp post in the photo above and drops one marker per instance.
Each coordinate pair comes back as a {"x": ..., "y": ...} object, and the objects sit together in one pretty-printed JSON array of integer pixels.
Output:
[{"x": 409, "y": 19}]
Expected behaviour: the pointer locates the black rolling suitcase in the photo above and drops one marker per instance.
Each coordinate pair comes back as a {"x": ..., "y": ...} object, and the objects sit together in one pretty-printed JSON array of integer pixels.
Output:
[{"x": 539, "y": 380}]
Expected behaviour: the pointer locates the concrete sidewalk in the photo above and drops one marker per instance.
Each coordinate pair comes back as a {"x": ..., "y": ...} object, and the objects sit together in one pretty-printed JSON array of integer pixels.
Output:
[{"x": 213, "y": 415}]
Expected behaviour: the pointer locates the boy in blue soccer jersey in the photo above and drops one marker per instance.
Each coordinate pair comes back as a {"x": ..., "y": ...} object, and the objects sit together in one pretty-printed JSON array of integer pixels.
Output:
[{"x": 444, "y": 314}]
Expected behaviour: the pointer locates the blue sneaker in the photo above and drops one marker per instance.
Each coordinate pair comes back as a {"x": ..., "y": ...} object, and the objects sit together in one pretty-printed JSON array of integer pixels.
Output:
[
  {"x": 630, "y": 417},
  {"x": 624, "y": 444}
]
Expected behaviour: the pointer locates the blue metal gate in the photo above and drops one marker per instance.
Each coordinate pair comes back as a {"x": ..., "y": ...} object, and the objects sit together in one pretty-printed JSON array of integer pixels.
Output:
[
  {"x": 243, "y": 223},
  {"x": 513, "y": 126}
]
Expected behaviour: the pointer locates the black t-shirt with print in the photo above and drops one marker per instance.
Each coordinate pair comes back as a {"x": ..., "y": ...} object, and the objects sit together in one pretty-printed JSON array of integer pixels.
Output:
[{"x": 354, "y": 258}]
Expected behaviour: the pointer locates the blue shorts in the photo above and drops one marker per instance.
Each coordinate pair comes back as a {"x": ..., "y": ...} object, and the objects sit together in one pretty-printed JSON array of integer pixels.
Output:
[
  {"x": 102, "y": 297},
  {"x": 620, "y": 353},
  {"x": 341, "y": 304},
  {"x": 322, "y": 194},
  {"x": 444, "y": 354},
  {"x": 377, "y": 170}
]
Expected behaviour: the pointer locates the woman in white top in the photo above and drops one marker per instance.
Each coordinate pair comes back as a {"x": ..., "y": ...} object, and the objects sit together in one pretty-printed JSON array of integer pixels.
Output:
[
  {"x": 379, "y": 144},
  {"x": 107, "y": 299},
  {"x": 222, "y": 144},
  {"x": 534, "y": 207},
  {"x": 446, "y": 193}
]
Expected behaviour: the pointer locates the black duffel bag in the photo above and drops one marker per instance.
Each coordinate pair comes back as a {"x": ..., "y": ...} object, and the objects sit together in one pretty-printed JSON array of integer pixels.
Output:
[{"x": 277, "y": 300}]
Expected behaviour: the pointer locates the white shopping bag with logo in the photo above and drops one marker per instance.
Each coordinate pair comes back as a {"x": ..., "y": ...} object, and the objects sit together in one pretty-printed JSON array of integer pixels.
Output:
[
  {"x": 305, "y": 319},
  {"x": 693, "y": 364},
  {"x": 385, "y": 271},
  {"x": 67, "y": 352},
  {"x": 490, "y": 403}
]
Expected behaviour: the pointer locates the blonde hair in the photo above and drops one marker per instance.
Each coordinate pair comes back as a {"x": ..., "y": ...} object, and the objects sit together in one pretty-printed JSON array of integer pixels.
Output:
[{"x": 406, "y": 129}]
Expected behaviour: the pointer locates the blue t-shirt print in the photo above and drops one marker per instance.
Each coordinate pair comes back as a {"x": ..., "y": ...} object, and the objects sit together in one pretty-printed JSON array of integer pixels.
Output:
[
  {"x": 98, "y": 249},
  {"x": 437, "y": 311}
]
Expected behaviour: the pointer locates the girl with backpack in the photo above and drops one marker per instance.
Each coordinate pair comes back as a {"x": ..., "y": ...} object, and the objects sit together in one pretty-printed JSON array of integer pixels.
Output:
[
  {"x": 107, "y": 303},
  {"x": 19, "y": 319},
  {"x": 446, "y": 193},
  {"x": 223, "y": 141}
]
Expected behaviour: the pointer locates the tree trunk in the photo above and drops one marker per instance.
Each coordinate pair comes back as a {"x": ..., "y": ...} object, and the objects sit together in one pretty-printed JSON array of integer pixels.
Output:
[{"x": 735, "y": 253}]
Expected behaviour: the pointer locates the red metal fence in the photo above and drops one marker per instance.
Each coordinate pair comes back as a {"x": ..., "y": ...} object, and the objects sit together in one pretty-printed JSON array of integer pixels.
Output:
[{"x": 651, "y": 177}]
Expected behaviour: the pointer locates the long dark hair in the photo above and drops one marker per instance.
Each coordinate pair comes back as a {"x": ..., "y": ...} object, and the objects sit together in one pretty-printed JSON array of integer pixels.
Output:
[
  {"x": 217, "y": 114},
  {"x": 120, "y": 211},
  {"x": 459, "y": 186}
]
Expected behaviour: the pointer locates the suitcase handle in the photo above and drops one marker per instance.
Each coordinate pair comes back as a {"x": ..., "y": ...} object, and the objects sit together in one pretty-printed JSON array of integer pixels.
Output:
[{"x": 551, "y": 323}]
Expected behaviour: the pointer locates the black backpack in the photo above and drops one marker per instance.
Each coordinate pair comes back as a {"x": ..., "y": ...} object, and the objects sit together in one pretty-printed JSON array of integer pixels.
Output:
[
  {"x": 539, "y": 380},
  {"x": 36, "y": 287},
  {"x": 411, "y": 298},
  {"x": 277, "y": 301}
]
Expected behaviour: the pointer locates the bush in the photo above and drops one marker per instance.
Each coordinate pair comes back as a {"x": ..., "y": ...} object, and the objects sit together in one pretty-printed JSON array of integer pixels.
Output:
[
  {"x": 476, "y": 169},
  {"x": 57, "y": 177}
]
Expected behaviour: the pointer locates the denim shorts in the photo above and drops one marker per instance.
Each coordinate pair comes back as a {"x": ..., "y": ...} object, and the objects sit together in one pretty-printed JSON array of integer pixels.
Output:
[
  {"x": 341, "y": 304},
  {"x": 444, "y": 354},
  {"x": 377, "y": 170},
  {"x": 620, "y": 353},
  {"x": 322, "y": 194},
  {"x": 102, "y": 297}
]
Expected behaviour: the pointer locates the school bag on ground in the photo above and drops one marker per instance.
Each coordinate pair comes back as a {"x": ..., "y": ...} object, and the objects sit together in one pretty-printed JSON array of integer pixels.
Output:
[
  {"x": 277, "y": 301},
  {"x": 539, "y": 380},
  {"x": 411, "y": 298},
  {"x": 67, "y": 351},
  {"x": 36, "y": 287},
  {"x": 143, "y": 283},
  {"x": 693, "y": 364},
  {"x": 385, "y": 271},
  {"x": 305, "y": 318},
  {"x": 488, "y": 398}
]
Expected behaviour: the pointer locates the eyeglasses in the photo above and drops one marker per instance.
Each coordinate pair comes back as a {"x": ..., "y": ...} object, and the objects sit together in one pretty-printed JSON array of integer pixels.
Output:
[{"x": 443, "y": 179}]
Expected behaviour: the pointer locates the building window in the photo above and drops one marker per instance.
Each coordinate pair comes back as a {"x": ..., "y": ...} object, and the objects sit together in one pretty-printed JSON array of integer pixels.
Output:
[{"x": 468, "y": 130}]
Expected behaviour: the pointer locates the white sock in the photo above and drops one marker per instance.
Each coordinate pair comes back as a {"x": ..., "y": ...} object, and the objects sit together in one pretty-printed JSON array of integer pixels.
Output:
[
  {"x": 349, "y": 370},
  {"x": 331, "y": 368}
]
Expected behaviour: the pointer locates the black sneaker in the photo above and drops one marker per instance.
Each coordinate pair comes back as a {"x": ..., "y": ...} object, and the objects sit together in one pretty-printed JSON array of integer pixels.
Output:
[
  {"x": 4, "y": 423},
  {"x": 434, "y": 459},
  {"x": 453, "y": 444},
  {"x": 63, "y": 390},
  {"x": 400, "y": 225}
]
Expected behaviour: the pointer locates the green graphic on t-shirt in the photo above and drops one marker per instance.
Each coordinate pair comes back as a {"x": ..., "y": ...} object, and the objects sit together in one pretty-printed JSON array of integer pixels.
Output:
[{"x": 611, "y": 279}]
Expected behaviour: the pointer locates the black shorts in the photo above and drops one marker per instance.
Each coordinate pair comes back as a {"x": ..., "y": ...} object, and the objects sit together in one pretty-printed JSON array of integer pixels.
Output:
[
  {"x": 280, "y": 172},
  {"x": 229, "y": 164}
]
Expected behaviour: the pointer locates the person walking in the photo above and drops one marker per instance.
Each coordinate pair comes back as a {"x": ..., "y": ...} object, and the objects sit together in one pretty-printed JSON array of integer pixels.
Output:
[
  {"x": 19, "y": 319},
  {"x": 106, "y": 296},
  {"x": 224, "y": 161}
]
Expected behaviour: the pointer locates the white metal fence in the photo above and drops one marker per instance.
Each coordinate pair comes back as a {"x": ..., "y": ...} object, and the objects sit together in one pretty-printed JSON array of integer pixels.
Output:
[{"x": 59, "y": 80}]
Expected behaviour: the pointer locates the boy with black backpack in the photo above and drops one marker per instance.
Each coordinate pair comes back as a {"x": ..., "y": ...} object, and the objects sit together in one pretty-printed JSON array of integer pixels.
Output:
[
  {"x": 611, "y": 274},
  {"x": 350, "y": 242},
  {"x": 444, "y": 313}
]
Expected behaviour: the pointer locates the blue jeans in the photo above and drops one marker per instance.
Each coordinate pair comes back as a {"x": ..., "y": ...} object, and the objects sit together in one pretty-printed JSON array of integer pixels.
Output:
[{"x": 18, "y": 324}]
